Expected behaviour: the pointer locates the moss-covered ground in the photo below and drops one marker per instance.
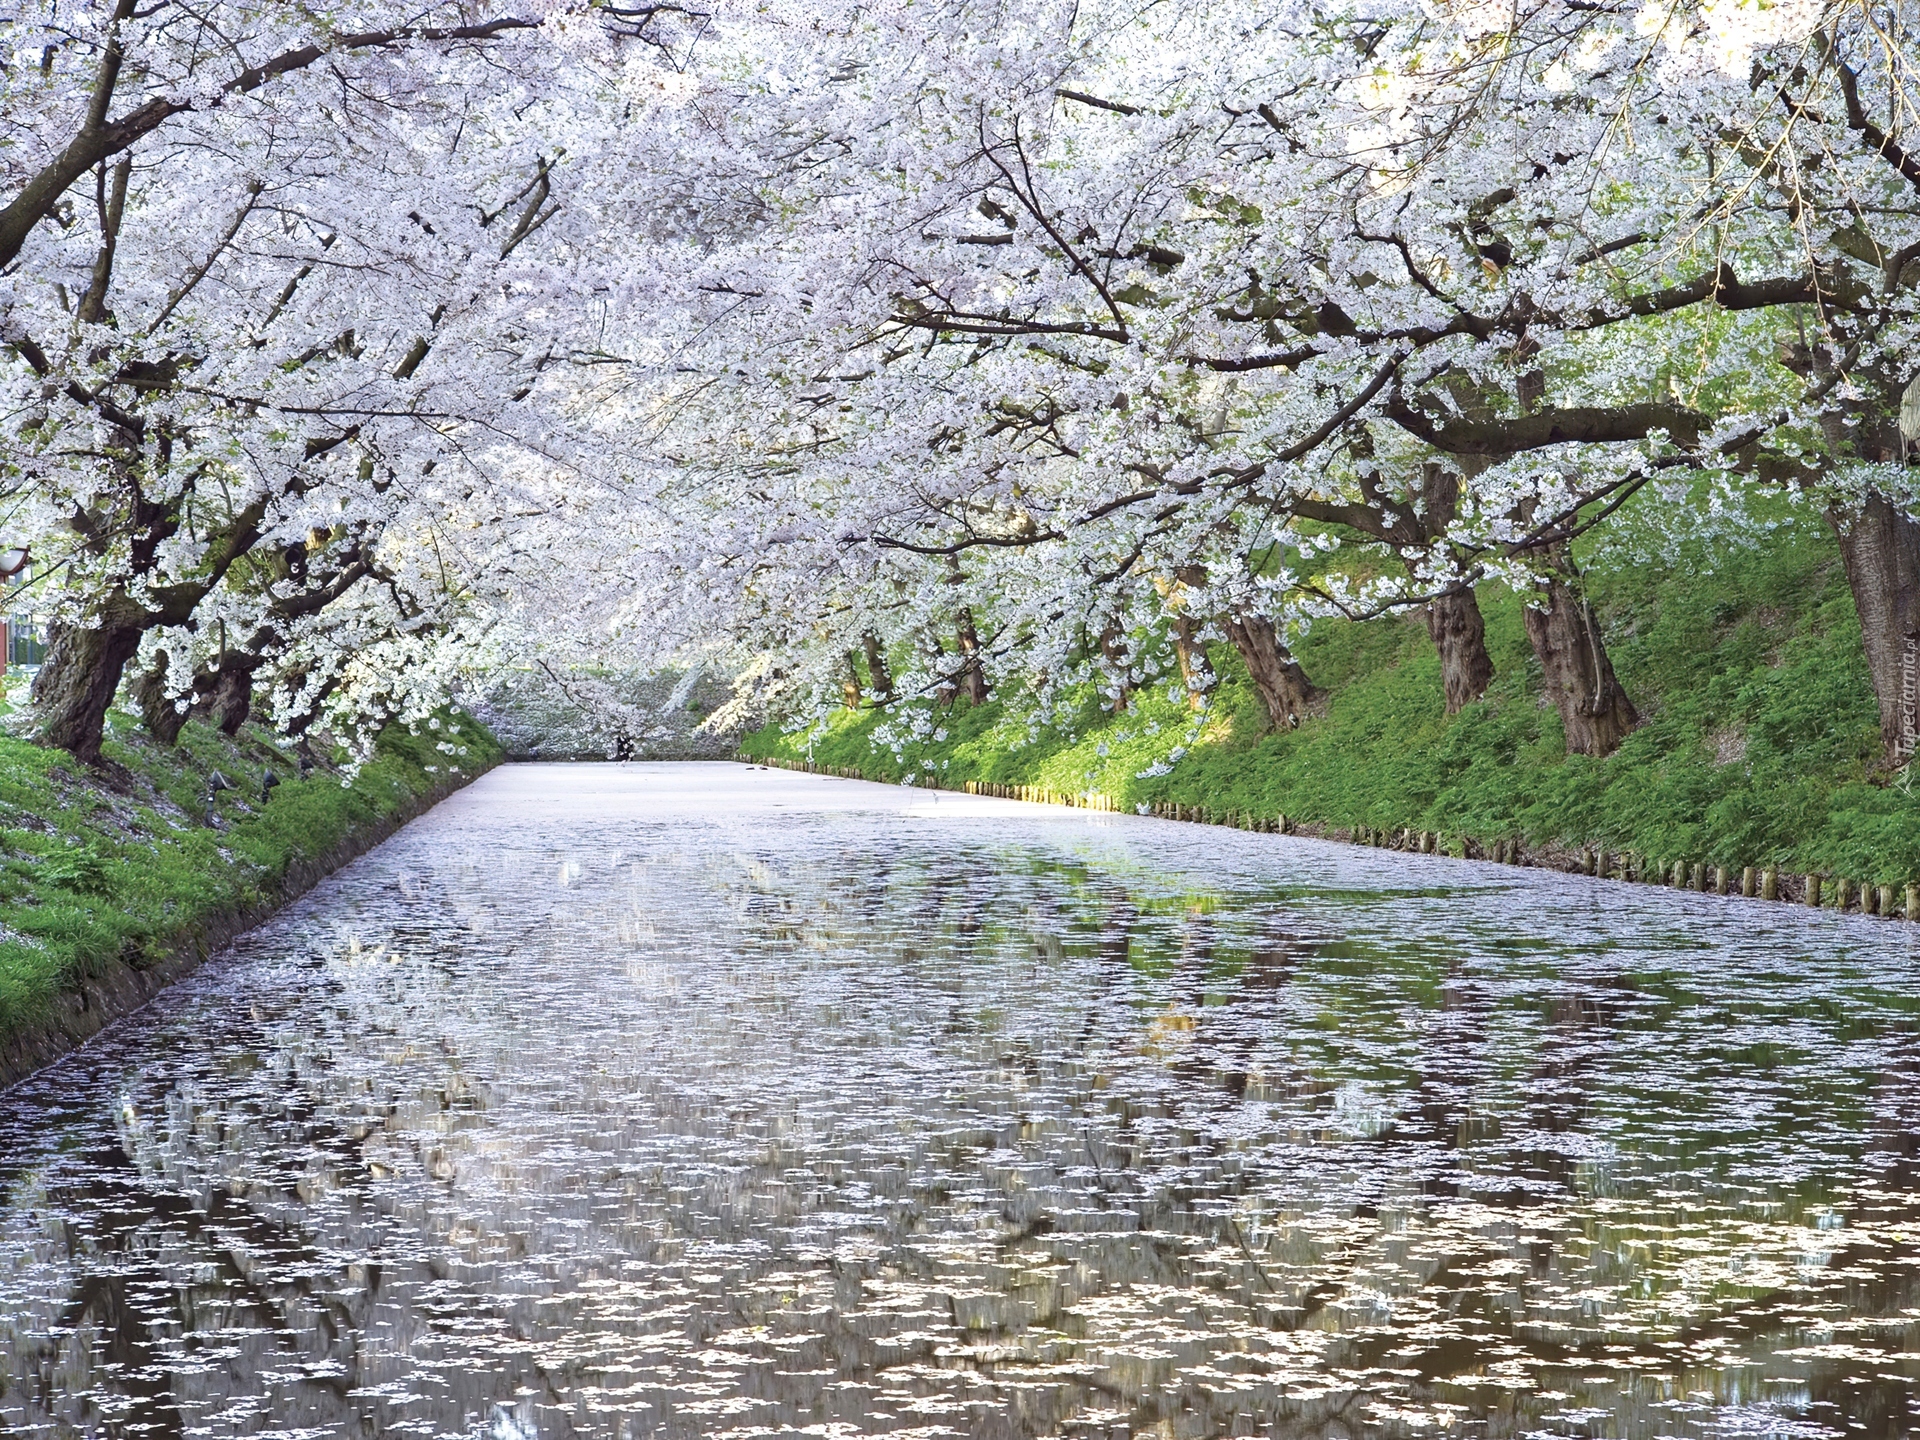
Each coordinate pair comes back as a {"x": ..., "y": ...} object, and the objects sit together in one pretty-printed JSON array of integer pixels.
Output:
[
  {"x": 97, "y": 868},
  {"x": 1759, "y": 744}
]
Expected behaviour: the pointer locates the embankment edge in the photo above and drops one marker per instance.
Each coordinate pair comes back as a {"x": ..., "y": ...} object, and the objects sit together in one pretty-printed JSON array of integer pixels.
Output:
[{"x": 122, "y": 988}]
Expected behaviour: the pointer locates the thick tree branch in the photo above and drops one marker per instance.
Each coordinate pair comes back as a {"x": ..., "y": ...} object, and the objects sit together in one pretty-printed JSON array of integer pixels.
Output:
[
  {"x": 100, "y": 139},
  {"x": 1575, "y": 425}
]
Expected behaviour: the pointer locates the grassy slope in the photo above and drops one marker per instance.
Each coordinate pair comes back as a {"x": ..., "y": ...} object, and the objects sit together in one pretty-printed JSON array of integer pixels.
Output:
[
  {"x": 1758, "y": 744},
  {"x": 89, "y": 874}
]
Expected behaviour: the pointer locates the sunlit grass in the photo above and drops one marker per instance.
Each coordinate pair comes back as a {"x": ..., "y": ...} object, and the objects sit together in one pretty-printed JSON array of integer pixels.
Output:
[
  {"x": 1758, "y": 745},
  {"x": 92, "y": 873}
]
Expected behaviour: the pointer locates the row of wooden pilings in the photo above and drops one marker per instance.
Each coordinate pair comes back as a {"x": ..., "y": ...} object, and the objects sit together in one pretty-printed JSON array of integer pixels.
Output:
[{"x": 1768, "y": 882}]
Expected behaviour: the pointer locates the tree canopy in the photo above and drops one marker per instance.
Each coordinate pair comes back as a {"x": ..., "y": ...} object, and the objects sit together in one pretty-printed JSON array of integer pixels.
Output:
[{"x": 888, "y": 350}]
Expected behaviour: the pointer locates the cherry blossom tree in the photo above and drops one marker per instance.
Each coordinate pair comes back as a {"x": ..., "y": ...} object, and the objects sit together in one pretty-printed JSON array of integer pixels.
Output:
[
  {"x": 920, "y": 348},
  {"x": 1476, "y": 279},
  {"x": 279, "y": 290}
]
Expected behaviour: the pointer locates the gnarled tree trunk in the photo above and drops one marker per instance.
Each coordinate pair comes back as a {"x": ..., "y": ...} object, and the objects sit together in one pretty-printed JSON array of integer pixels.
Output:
[
  {"x": 973, "y": 676},
  {"x": 850, "y": 687},
  {"x": 232, "y": 698},
  {"x": 1113, "y": 650},
  {"x": 1880, "y": 547},
  {"x": 1593, "y": 705},
  {"x": 300, "y": 721},
  {"x": 879, "y": 677},
  {"x": 1195, "y": 672},
  {"x": 1284, "y": 687},
  {"x": 77, "y": 681},
  {"x": 161, "y": 712},
  {"x": 1460, "y": 635}
]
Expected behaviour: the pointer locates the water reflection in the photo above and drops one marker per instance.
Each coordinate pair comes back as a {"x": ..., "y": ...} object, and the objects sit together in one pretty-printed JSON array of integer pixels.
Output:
[{"x": 695, "y": 1101}]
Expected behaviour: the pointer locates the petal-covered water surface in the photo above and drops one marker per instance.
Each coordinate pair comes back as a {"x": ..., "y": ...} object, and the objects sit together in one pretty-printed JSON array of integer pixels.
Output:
[{"x": 699, "y": 1100}]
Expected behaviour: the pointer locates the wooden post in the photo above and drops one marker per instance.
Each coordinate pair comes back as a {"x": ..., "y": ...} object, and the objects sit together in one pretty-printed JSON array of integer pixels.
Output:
[
  {"x": 1842, "y": 892},
  {"x": 1913, "y": 902},
  {"x": 1770, "y": 883},
  {"x": 1719, "y": 879},
  {"x": 1813, "y": 889},
  {"x": 1746, "y": 882},
  {"x": 1885, "y": 908}
]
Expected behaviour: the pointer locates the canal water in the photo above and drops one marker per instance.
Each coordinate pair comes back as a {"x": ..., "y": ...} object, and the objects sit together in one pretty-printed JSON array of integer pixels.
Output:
[{"x": 700, "y": 1100}]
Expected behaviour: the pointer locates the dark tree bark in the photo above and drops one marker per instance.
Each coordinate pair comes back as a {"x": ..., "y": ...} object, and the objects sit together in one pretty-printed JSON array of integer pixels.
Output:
[
  {"x": 162, "y": 713},
  {"x": 1460, "y": 635},
  {"x": 232, "y": 698},
  {"x": 70, "y": 709},
  {"x": 1594, "y": 709},
  {"x": 302, "y": 720},
  {"x": 76, "y": 684},
  {"x": 1284, "y": 687},
  {"x": 1113, "y": 650},
  {"x": 1880, "y": 548},
  {"x": 879, "y": 677},
  {"x": 850, "y": 687},
  {"x": 1195, "y": 672},
  {"x": 973, "y": 675},
  {"x": 1413, "y": 522}
]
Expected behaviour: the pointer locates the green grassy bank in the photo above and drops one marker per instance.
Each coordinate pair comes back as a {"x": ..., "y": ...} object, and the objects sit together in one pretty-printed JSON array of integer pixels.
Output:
[
  {"x": 1758, "y": 744},
  {"x": 131, "y": 869}
]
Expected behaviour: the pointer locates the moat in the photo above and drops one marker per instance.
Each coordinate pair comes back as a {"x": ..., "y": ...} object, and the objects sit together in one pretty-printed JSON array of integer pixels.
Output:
[{"x": 700, "y": 1100}]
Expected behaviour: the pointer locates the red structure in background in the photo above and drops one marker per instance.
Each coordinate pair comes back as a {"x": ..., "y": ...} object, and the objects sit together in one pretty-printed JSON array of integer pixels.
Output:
[{"x": 23, "y": 642}]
